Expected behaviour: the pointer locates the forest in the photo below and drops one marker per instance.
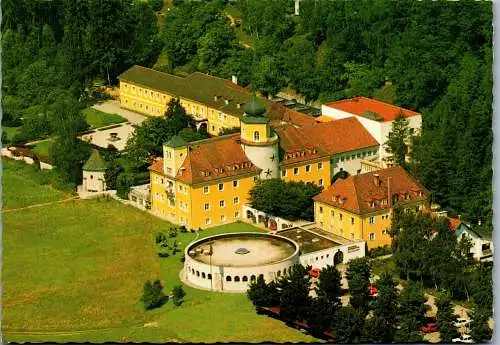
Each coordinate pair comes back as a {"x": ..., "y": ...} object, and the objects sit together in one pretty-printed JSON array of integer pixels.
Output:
[{"x": 434, "y": 57}]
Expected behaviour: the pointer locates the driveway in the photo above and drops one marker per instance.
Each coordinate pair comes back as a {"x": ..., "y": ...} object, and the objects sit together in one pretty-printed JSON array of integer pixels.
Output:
[{"x": 113, "y": 107}]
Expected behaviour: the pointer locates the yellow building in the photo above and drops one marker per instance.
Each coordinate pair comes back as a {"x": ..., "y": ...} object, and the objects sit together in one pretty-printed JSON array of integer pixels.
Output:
[
  {"x": 360, "y": 206},
  {"x": 204, "y": 183},
  {"x": 211, "y": 101}
]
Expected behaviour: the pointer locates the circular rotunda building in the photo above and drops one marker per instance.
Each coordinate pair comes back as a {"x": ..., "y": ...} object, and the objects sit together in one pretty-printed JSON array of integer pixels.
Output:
[{"x": 229, "y": 262}]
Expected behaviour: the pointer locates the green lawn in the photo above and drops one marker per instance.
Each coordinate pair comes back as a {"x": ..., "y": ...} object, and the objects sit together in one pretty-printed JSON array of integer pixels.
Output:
[
  {"x": 20, "y": 186},
  {"x": 11, "y": 131},
  {"x": 77, "y": 268},
  {"x": 96, "y": 118},
  {"x": 42, "y": 148}
]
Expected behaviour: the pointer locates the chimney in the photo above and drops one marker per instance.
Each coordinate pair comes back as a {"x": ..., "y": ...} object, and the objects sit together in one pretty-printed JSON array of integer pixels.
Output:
[
  {"x": 459, "y": 216},
  {"x": 226, "y": 101},
  {"x": 238, "y": 105},
  {"x": 234, "y": 79},
  {"x": 215, "y": 98},
  {"x": 376, "y": 179},
  {"x": 389, "y": 192}
]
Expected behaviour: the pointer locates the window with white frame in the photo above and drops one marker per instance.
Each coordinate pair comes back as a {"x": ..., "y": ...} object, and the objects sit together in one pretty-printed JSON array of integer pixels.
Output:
[
  {"x": 320, "y": 210},
  {"x": 308, "y": 168},
  {"x": 256, "y": 136},
  {"x": 222, "y": 203},
  {"x": 237, "y": 214},
  {"x": 236, "y": 200},
  {"x": 208, "y": 221},
  {"x": 206, "y": 189},
  {"x": 223, "y": 218},
  {"x": 235, "y": 183},
  {"x": 372, "y": 236},
  {"x": 221, "y": 186},
  {"x": 295, "y": 171},
  {"x": 320, "y": 165},
  {"x": 352, "y": 220},
  {"x": 371, "y": 220},
  {"x": 320, "y": 182},
  {"x": 207, "y": 206},
  {"x": 283, "y": 173}
]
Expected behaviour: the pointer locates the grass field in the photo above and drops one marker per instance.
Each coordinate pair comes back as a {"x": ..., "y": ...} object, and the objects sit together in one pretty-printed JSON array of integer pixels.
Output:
[
  {"x": 20, "y": 186},
  {"x": 96, "y": 118},
  {"x": 74, "y": 271},
  {"x": 42, "y": 148}
]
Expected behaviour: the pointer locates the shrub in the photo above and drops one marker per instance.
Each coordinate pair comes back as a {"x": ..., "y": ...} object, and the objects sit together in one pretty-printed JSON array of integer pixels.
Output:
[
  {"x": 183, "y": 229},
  {"x": 379, "y": 251},
  {"x": 172, "y": 232},
  {"x": 178, "y": 295},
  {"x": 153, "y": 296},
  {"x": 160, "y": 237}
]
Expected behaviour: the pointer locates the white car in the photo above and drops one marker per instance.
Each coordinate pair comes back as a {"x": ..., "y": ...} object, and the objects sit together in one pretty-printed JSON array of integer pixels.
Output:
[
  {"x": 464, "y": 338},
  {"x": 461, "y": 322}
]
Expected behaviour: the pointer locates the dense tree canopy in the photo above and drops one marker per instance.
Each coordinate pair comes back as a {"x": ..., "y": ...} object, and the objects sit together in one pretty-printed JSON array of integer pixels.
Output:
[
  {"x": 446, "y": 75},
  {"x": 289, "y": 200}
]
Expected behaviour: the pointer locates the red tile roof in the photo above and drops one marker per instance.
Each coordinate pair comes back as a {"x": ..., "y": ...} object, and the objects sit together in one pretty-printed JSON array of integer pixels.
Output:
[
  {"x": 281, "y": 115},
  {"x": 454, "y": 223},
  {"x": 212, "y": 159},
  {"x": 298, "y": 147},
  {"x": 362, "y": 105},
  {"x": 327, "y": 138},
  {"x": 359, "y": 193}
]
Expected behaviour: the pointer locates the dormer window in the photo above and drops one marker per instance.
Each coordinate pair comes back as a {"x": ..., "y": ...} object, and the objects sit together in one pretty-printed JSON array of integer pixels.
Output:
[
  {"x": 407, "y": 196},
  {"x": 372, "y": 204},
  {"x": 384, "y": 202},
  {"x": 207, "y": 173}
]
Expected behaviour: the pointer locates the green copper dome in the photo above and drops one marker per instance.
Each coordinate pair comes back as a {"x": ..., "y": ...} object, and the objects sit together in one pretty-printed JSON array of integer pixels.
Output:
[{"x": 254, "y": 107}]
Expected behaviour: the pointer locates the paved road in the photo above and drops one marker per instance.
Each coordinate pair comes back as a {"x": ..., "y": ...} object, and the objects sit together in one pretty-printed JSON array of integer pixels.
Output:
[{"x": 113, "y": 107}]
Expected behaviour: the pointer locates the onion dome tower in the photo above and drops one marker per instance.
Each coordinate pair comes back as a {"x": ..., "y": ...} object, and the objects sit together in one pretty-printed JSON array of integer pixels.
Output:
[{"x": 258, "y": 140}]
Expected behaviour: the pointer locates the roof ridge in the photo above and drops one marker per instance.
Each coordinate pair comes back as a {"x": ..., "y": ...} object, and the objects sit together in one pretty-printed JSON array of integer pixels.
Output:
[
  {"x": 213, "y": 139},
  {"x": 356, "y": 194},
  {"x": 161, "y": 72},
  {"x": 389, "y": 104}
]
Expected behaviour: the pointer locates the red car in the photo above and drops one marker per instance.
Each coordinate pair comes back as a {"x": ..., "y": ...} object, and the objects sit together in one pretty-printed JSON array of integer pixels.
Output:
[
  {"x": 429, "y": 328},
  {"x": 315, "y": 272},
  {"x": 372, "y": 291}
]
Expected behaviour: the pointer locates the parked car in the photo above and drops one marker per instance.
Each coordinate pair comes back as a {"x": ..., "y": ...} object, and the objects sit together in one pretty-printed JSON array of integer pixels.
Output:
[
  {"x": 315, "y": 272},
  {"x": 461, "y": 322},
  {"x": 372, "y": 291},
  {"x": 464, "y": 338},
  {"x": 431, "y": 327}
]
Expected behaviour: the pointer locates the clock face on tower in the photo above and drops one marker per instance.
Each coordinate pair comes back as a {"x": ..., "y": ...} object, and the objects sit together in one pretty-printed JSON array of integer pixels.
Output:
[{"x": 268, "y": 172}]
